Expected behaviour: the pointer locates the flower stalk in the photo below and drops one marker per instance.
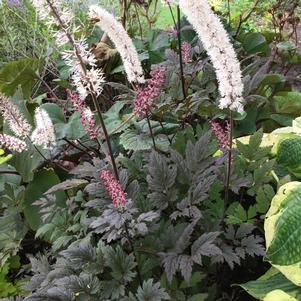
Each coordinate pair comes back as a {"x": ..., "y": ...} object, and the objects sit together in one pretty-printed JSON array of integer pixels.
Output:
[
  {"x": 229, "y": 164},
  {"x": 180, "y": 52},
  {"x": 90, "y": 85}
]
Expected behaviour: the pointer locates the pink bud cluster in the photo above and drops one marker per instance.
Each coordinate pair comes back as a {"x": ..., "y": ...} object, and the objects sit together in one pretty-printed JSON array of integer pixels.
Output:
[
  {"x": 147, "y": 95},
  {"x": 222, "y": 134},
  {"x": 12, "y": 143},
  {"x": 86, "y": 116},
  {"x": 186, "y": 53},
  {"x": 113, "y": 188}
]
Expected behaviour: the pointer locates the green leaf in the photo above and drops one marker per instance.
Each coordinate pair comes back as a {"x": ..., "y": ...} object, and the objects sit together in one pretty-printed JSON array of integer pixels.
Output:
[
  {"x": 137, "y": 141},
  {"x": 157, "y": 45},
  {"x": 120, "y": 263},
  {"x": 13, "y": 230},
  {"x": 288, "y": 103},
  {"x": 19, "y": 73},
  {"x": 72, "y": 130},
  {"x": 254, "y": 43},
  {"x": 264, "y": 197},
  {"x": 282, "y": 119},
  {"x": 43, "y": 181},
  {"x": 271, "y": 281},
  {"x": 198, "y": 297},
  {"x": 54, "y": 111},
  {"x": 196, "y": 278},
  {"x": 113, "y": 120},
  {"x": 7, "y": 288},
  {"x": 151, "y": 292},
  {"x": 26, "y": 162},
  {"x": 255, "y": 140},
  {"x": 236, "y": 214}
]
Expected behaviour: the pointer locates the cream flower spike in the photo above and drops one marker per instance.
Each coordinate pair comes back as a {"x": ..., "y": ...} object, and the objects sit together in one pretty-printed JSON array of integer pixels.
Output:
[
  {"x": 122, "y": 41},
  {"x": 43, "y": 135},
  {"x": 13, "y": 117},
  {"x": 220, "y": 50}
]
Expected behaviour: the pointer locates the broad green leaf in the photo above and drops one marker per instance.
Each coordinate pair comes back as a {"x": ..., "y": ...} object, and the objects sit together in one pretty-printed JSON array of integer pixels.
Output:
[
  {"x": 272, "y": 280},
  {"x": 282, "y": 119},
  {"x": 9, "y": 178},
  {"x": 137, "y": 141},
  {"x": 113, "y": 119},
  {"x": 19, "y": 73},
  {"x": 254, "y": 43},
  {"x": 283, "y": 231},
  {"x": 157, "y": 45},
  {"x": 26, "y": 162},
  {"x": 288, "y": 103},
  {"x": 54, "y": 111},
  {"x": 72, "y": 130},
  {"x": 43, "y": 181}
]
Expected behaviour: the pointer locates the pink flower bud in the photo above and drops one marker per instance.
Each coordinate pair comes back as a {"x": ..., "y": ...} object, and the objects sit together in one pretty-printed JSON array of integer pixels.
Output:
[{"x": 113, "y": 188}]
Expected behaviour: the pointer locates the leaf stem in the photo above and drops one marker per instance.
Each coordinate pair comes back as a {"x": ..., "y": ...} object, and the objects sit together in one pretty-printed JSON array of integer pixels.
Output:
[
  {"x": 180, "y": 51},
  {"x": 229, "y": 165},
  {"x": 151, "y": 131}
]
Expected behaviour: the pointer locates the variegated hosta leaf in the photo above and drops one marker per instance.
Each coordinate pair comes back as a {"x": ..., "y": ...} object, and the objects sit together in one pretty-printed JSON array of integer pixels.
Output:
[
  {"x": 270, "y": 283},
  {"x": 283, "y": 231},
  {"x": 289, "y": 153}
]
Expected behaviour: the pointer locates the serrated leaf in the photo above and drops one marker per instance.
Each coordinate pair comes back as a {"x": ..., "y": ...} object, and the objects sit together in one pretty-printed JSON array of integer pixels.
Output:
[
  {"x": 205, "y": 246},
  {"x": 79, "y": 256},
  {"x": 120, "y": 263},
  {"x": 253, "y": 245},
  {"x": 236, "y": 214},
  {"x": 151, "y": 292},
  {"x": 161, "y": 175}
]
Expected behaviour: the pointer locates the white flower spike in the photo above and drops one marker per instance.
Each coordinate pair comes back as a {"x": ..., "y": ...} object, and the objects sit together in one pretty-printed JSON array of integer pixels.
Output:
[
  {"x": 220, "y": 50},
  {"x": 43, "y": 135},
  {"x": 122, "y": 41}
]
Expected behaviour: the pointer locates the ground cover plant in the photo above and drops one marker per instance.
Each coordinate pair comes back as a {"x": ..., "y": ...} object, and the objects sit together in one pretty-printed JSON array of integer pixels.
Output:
[{"x": 150, "y": 150}]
